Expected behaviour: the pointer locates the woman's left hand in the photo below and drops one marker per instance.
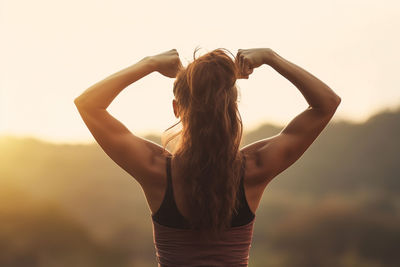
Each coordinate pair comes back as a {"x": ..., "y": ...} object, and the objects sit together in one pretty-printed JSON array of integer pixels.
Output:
[{"x": 167, "y": 63}]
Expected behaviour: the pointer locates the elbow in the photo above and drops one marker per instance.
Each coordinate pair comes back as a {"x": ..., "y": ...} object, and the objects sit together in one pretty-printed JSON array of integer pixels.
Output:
[
  {"x": 337, "y": 100},
  {"x": 77, "y": 102},
  {"x": 81, "y": 101},
  {"x": 334, "y": 102},
  {"x": 331, "y": 104},
  {"x": 84, "y": 104}
]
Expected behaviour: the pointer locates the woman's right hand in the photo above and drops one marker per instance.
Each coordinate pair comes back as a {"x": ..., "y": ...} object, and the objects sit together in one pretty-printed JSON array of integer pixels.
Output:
[
  {"x": 249, "y": 59},
  {"x": 167, "y": 63}
]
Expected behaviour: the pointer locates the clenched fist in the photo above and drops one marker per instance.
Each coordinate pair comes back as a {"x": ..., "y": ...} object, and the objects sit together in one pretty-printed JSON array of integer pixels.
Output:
[
  {"x": 167, "y": 63},
  {"x": 249, "y": 59}
]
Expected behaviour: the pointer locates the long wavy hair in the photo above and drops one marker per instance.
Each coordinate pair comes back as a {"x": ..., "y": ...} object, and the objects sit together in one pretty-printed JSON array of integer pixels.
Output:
[{"x": 210, "y": 137}]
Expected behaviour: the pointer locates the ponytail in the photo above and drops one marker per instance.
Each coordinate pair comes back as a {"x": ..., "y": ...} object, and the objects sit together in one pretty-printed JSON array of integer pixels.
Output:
[{"x": 211, "y": 134}]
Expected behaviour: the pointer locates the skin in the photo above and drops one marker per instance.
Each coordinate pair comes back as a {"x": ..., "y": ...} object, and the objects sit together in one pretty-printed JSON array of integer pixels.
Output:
[{"x": 265, "y": 159}]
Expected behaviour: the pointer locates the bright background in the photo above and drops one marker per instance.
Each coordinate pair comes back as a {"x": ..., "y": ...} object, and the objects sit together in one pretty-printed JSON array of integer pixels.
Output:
[
  {"x": 71, "y": 205},
  {"x": 51, "y": 51}
]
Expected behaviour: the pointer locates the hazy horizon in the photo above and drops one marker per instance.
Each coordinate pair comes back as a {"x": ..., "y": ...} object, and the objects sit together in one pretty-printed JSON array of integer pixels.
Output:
[
  {"x": 143, "y": 134},
  {"x": 74, "y": 206}
]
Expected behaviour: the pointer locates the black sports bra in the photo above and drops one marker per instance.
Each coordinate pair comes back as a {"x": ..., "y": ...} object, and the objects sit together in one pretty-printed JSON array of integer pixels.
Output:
[{"x": 169, "y": 215}]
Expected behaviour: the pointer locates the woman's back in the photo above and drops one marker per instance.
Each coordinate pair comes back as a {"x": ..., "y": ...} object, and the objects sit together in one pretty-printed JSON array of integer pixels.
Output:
[
  {"x": 169, "y": 214},
  {"x": 176, "y": 244}
]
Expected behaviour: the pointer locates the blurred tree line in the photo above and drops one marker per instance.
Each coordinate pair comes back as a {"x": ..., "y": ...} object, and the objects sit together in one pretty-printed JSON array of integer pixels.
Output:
[{"x": 338, "y": 205}]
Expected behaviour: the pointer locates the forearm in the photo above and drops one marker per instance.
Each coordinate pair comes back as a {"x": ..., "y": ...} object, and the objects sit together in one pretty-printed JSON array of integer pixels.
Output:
[
  {"x": 317, "y": 94},
  {"x": 101, "y": 94}
]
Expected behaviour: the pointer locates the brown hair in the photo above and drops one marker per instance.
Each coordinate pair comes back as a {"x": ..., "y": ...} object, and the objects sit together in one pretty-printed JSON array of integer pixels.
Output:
[{"x": 208, "y": 149}]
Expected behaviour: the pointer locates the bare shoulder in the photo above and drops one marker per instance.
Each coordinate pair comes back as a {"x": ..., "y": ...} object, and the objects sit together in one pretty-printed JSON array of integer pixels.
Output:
[
  {"x": 156, "y": 171},
  {"x": 154, "y": 183},
  {"x": 268, "y": 157},
  {"x": 262, "y": 159},
  {"x": 271, "y": 156},
  {"x": 159, "y": 164}
]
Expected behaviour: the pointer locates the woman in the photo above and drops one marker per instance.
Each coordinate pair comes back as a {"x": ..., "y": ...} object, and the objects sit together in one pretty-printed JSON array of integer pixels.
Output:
[{"x": 203, "y": 195}]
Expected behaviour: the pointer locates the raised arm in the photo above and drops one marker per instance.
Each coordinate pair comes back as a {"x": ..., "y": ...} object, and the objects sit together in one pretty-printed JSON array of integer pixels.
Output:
[
  {"x": 134, "y": 154},
  {"x": 273, "y": 155}
]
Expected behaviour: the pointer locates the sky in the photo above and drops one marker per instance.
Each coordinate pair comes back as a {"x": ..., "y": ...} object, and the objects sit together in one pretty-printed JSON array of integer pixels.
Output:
[{"x": 51, "y": 51}]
